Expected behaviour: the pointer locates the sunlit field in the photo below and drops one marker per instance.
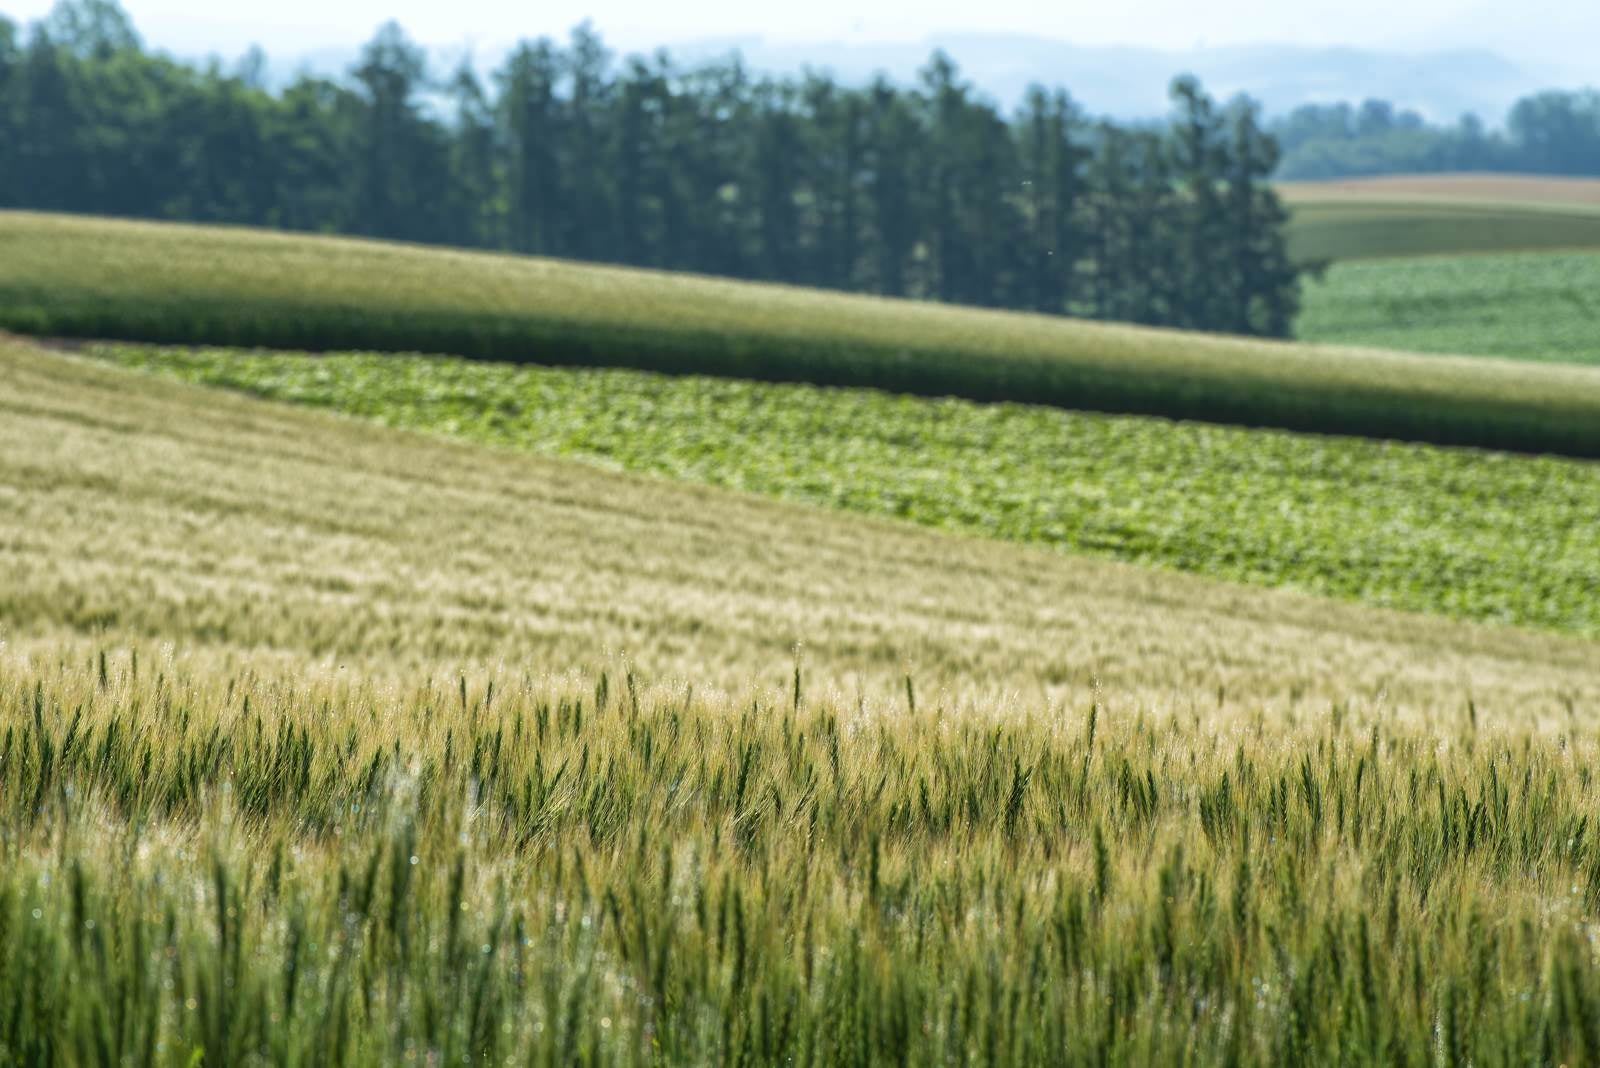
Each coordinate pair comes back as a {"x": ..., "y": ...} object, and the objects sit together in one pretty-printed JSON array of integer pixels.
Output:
[
  {"x": 324, "y": 742},
  {"x": 147, "y": 282},
  {"x": 1440, "y": 215},
  {"x": 1463, "y": 532},
  {"x": 1537, "y": 306}
]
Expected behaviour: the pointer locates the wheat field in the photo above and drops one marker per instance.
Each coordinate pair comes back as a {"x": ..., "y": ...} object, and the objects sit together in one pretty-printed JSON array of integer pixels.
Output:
[{"x": 322, "y": 743}]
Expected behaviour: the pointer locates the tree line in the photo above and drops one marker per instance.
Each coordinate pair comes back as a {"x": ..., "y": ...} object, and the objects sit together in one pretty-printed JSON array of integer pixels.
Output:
[
  {"x": 1553, "y": 132},
  {"x": 927, "y": 191}
]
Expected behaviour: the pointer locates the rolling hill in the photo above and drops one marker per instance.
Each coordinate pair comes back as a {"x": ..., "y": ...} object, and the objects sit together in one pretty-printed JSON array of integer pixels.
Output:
[
  {"x": 136, "y": 281},
  {"x": 1461, "y": 532},
  {"x": 148, "y": 511},
  {"x": 328, "y": 743},
  {"x": 1417, "y": 215}
]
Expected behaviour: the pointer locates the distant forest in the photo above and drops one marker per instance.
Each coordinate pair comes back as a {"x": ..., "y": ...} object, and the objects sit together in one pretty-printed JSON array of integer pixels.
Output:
[
  {"x": 928, "y": 191},
  {"x": 1554, "y": 133}
]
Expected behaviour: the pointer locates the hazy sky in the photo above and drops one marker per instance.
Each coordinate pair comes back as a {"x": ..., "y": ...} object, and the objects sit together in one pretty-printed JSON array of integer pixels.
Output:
[{"x": 1545, "y": 31}]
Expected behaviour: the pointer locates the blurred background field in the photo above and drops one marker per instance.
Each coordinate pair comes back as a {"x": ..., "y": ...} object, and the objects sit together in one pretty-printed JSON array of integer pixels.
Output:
[
  {"x": 1448, "y": 214},
  {"x": 1525, "y": 305}
]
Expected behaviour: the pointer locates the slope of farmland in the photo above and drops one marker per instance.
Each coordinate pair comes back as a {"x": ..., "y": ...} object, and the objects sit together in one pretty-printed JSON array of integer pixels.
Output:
[
  {"x": 1511, "y": 189},
  {"x": 319, "y": 748},
  {"x": 148, "y": 508},
  {"x": 1440, "y": 215},
  {"x": 133, "y": 281},
  {"x": 1537, "y": 306},
  {"x": 1469, "y": 533}
]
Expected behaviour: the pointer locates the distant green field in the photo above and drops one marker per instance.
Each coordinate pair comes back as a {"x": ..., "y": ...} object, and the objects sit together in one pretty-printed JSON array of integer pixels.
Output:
[
  {"x": 1358, "y": 230},
  {"x": 93, "y": 278},
  {"x": 1526, "y": 306},
  {"x": 1478, "y": 535},
  {"x": 1440, "y": 214}
]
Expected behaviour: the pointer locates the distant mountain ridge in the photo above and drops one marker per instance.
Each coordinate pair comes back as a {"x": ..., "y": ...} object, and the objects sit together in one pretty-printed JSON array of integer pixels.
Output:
[{"x": 1125, "y": 83}]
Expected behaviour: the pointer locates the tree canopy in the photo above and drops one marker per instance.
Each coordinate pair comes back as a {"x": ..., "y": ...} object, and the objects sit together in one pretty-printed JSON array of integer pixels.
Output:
[
  {"x": 928, "y": 191},
  {"x": 1553, "y": 132}
]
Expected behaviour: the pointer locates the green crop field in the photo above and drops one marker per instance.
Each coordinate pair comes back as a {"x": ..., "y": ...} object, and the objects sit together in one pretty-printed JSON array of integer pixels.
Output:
[
  {"x": 1357, "y": 230},
  {"x": 1440, "y": 215},
  {"x": 134, "y": 281},
  {"x": 1525, "y": 306},
  {"x": 1474, "y": 534},
  {"x": 324, "y": 742}
]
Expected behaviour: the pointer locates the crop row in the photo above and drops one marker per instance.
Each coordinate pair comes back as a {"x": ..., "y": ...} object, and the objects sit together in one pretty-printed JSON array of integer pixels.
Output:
[{"x": 1478, "y": 535}]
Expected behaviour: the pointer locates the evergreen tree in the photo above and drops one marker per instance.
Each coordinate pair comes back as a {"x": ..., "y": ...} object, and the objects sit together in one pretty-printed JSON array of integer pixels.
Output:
[
  {"x": 590, "y": 224},
  {"x": 1111, "y": 180},
  {"x": 313, "y": 136},
  {"x": 530, "y": 123},
  {"x": 1264, "y": 285},
  {"x": 708, "y": 140},
  {"x": 1052, "y": 163},
  {"x": 1200, "y": 169},
  {"x": 775, "y": 180},
  {"x": 10, "y": 61},
  {"x": 930, "y": 192},
  {"x": 476, "y": 208},
  {"x": 835, "y": 142},
  {"x": 893, "y": 153},
  {"x": 945, "y": 105},
  {"x": 393, "y": 139},
  {"x": 52, "y": 174},
  {"x": 1156, "y": 284}
]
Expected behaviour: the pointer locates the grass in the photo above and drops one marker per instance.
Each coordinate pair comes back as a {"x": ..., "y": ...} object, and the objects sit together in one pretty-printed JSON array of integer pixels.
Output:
[
  {"x": 132, "y": 281},
  {"x": 1440, "y": 215},
  {"x": 1479, "y": 535},
  {"x": 1530, "y": 306},
  {"x": 316, "y": 748}
]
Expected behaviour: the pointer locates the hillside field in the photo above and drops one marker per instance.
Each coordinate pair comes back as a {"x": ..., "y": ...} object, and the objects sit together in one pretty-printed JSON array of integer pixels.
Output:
[
  {"x": 134, "y": 281},
  {"x": 1462, "y": 532},
  {"x": 1408, "y": 216},
  {"x": 332, "y": 743},
  {"x": 1524, "y": 189},
  {"x": 1536, "y": 306}
]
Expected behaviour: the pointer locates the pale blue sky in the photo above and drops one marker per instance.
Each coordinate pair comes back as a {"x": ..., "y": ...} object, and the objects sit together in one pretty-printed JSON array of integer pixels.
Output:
[{"x": 1560, "y": 33}]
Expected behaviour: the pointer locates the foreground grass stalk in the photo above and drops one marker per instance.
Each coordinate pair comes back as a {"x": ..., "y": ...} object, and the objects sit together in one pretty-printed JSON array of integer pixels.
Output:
[{"x": 227, "y": 866}]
